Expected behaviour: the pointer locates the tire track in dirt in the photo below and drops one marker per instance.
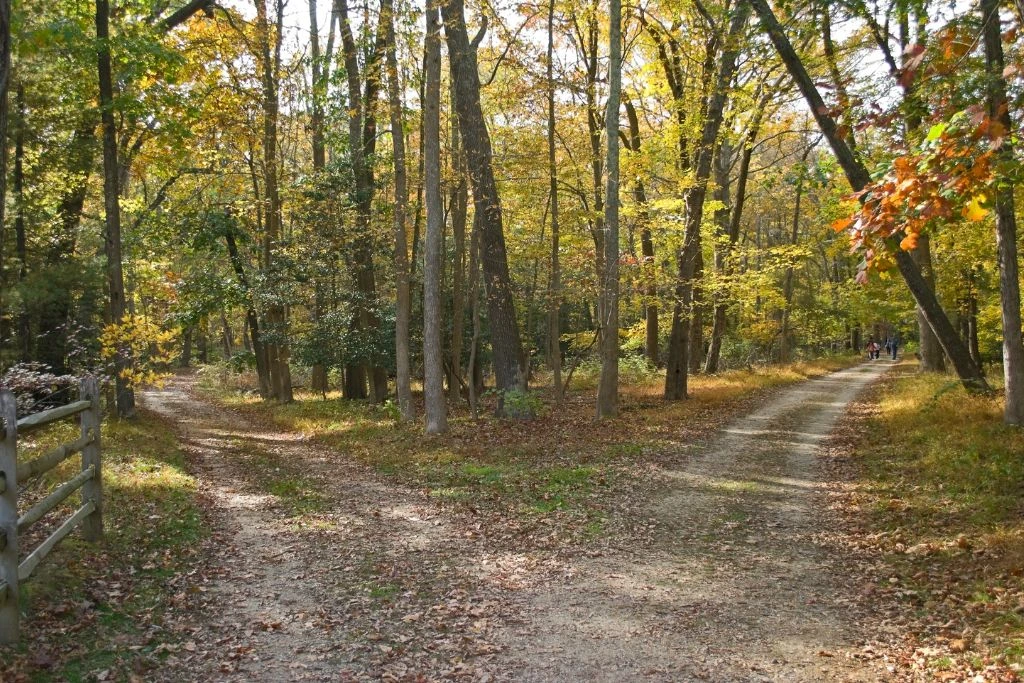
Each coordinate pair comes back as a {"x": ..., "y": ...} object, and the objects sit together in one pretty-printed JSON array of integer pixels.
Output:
[{"x": 734, "y": 588}]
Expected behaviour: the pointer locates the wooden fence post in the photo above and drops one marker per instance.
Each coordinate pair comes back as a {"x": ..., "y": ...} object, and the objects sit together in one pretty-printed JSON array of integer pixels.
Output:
[
  {"x": 92, "y": 490},
  {"x": 9, "y": 609}
]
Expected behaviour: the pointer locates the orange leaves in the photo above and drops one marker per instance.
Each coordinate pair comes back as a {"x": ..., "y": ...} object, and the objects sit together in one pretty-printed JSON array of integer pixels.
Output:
[
  {"x": 944, "y": 180},
  {"x": 841, "y": 224}
]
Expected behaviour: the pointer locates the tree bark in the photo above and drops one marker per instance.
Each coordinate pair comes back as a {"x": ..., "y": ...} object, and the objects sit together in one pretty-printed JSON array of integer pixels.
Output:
[
  {"x": 509, "y": 371},
  {"x": 932, "y": 358},
  {"x": 252, "y": 321},
  {"x": 676, "y": 372},
  {"x": 555, "y": 282},
  {"x": 362, "y": 128},
  {"x": 276, "y": 320},
  {"x": 403, "y": 312},
  {"x": 785, "y": 343},
  {"x": 123, "y": 361},
  {"x": 5, "y": 85},
  {"x": 608, "y": 388},
  {"x": 459, "y": 211},
  {"x": 433, "y": 357},
  {"x": 20, "y": 242},
  {"x": 318, "y": 89},
  {"x": 1006, "y": 221},
  {"x": 857, "y": 175}
]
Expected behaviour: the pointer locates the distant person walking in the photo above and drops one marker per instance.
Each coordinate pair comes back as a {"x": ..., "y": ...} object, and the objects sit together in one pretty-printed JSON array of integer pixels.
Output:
[
  {"x": 873, "y": 348},
  {"x": 894, "y": 344}
]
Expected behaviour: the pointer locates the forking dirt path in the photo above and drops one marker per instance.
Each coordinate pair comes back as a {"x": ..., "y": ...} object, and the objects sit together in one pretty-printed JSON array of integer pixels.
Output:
[{"x": 733, "y": 586}]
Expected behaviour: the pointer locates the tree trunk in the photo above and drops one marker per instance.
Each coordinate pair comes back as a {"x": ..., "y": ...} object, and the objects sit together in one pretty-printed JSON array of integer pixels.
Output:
[
  {"x": 722, "y": 250},
  {"x": 20, "y": 243},
  {"x": 509, "y": 372},
  {"x": 695, "y": 344},
  {"x": 473, "y": 374},
  {"x": 785, "y": 343},
  {"x": 318, "y": 90},
  {"x": 362, "y": 128},
  {"x": 932, "y": 358},
  {"x": 226, "y": 334},
  {"x": 5, "y": 84},
  {"x": 252, "y": 321},
  {"x": 433, "y": 358},
  {"x": 276, "y": 319},
  {"x": 676, "y": 372},
  {"x": 608, "y": 388},
  {"x": 123, "y": 362},
  {"x": 554, "y": 335},
  {"x": 968, "y": 371},
  {"x": 1006, "y": 220},
  {"x": 403, "y": 311},
  {"x": 186, "y": 348}
]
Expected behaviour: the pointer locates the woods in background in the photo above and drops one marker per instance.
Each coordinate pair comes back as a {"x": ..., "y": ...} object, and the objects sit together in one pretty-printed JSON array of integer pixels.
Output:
[{"x": 692, "y": 185}]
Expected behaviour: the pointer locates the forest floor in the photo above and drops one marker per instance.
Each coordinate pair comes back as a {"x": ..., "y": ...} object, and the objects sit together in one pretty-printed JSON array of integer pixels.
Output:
[
  {"x": 831, "y": 521},
  {"x": 717, "y": 573}
]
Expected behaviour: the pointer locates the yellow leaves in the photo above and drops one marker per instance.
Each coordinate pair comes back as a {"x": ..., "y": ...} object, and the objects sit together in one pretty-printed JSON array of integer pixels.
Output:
[
  {"x": 974, "y": 211},
  {"x": 148, "y": 348}
]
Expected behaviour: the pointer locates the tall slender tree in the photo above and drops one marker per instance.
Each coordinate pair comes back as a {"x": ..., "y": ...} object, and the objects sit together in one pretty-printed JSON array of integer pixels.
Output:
[
  {"x": 123, "y": 362},
  {"x": 1006, "y": 219},
  {"x": 608, "y": 389},
  {"x": 403, "y": 312},
  {"x": 433, "y": 357},
  {"x": 554, "y": 351}
]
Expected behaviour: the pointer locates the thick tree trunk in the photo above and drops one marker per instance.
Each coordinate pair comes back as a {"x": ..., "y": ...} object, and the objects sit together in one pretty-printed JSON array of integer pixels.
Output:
[
  {"x": 403, "y": 312},
  {"x": 509, "y": 371},
  {"x": 676, "y": 372},
  {"x": 1006, "y": 220},
  {"x": 968, "y": 371},
  {"x": 276, "y": 319},
  {"x": 433, "y": 356},
  {"x": 123, "y": 362},
  {"x": 608, "y": 389}
]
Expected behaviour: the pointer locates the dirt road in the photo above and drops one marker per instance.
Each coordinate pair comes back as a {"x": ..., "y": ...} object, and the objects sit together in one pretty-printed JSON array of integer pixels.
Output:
[
  {"x": 383, "y": 584},
  {"x": 735, "y": 589}
]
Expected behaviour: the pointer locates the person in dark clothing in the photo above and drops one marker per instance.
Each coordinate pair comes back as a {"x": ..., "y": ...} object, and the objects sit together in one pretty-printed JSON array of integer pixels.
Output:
[{"x": 894, "y": 345}]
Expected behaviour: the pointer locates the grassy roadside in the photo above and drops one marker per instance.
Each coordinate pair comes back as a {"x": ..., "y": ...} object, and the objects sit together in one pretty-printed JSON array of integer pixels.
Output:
[
  {"x": 943, "y": 481},
  {"x": 562, "y": 469},
  {"x": 102, "y": 612}
]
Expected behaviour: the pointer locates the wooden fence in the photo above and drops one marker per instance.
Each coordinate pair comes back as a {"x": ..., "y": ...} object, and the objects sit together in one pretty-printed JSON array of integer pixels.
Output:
[{"x": 12, "y": 474}]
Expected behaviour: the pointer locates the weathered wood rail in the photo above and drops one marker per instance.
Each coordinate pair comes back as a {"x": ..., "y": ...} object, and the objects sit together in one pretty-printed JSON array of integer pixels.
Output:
[{"x": 13, "y": 474}]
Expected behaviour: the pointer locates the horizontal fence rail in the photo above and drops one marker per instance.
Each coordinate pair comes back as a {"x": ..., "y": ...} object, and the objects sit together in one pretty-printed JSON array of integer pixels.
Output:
[{"x": 88, "y": 516}]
